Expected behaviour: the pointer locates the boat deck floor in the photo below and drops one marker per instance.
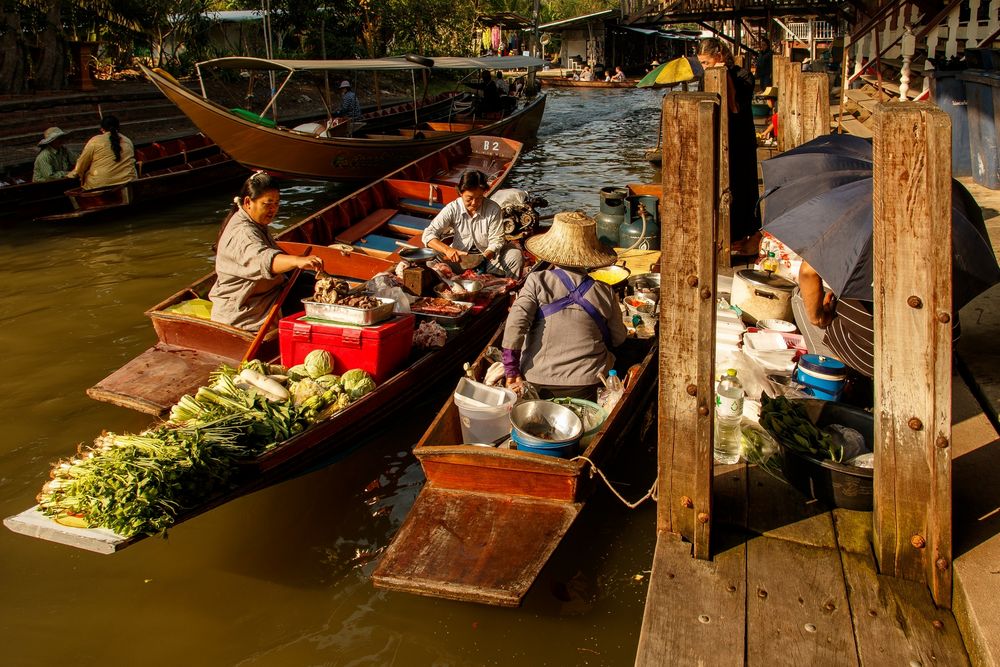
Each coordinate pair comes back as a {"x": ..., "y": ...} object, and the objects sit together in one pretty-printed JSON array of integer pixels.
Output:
[{"x": 794, "y": 583}]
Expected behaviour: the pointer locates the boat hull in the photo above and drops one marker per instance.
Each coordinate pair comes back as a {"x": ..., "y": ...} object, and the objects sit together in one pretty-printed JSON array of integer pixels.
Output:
[
  {"x": 285, "y": 153},
  {"x": 559, "y": 82}
]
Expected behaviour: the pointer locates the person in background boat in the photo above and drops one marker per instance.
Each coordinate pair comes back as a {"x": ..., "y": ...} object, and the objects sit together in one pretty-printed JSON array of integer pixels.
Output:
[
  {"x": 770, "y": 96},
  {"x": 107, "y": 159},
  {"x": 503, "y": 86},
  {"x": 250, "y": 267},
  {"x": 54, "y": 160},
  {"x": 477, "y": 226},
  {"x": 744, "y": 227},
  {"x": 619, "y": 74},
  {"x": 489, "y": 102},
  {"x": 587, "y": 74},
  {"x": 563, "y": 324},
  {"x": 349, "y": 105}
]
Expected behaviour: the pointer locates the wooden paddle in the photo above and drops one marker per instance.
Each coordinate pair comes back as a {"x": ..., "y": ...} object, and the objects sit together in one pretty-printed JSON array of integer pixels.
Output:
[{"x": 258, "y": 340}]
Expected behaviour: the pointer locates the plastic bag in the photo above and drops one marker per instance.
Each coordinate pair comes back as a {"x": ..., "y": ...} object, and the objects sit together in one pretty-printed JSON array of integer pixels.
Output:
[{"x": 398, "y": 295}]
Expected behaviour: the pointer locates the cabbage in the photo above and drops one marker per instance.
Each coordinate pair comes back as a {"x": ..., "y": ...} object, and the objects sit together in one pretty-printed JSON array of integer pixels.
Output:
[
  {"x": 357, "y": 383},
  {"x": 298, "y": 372},
  {"x": 328, "y": 380},
  {"x": 318, "y": 363},
  {"x": 305, "y": 389}
]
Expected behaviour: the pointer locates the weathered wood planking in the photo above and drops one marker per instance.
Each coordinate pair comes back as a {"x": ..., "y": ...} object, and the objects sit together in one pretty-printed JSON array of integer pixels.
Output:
[
  {"x": 895, "y": 621},
  {"x": 779, "y": 67},
  {"x": 776, "y": 509},
  {"x": 717, "y": 81},
  {"x": 459, "y": 545},
  {"x": 794, "y": 136},
  {"x": 695, "y": 609},
  {"x": 815, "y": 105},
  {"x": 913, "y": 309},
  {"x": 687, "y": 311},
  {"x": 797, "y": 609}
]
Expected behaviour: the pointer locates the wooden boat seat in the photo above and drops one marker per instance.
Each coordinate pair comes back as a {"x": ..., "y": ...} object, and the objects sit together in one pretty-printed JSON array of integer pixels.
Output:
[
  {"x": 377, "y": 245},
  {"x": 366, "y": 226},
  {"x": 407, "y": 224},
  {"x": 420, "y": 206}
]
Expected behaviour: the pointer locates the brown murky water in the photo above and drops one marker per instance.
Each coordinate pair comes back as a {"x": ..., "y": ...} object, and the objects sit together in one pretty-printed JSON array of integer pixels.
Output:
[{"x": 281, "y": 577}]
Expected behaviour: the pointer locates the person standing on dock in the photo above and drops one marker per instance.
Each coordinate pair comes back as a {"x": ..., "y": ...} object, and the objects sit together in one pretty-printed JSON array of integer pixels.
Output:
[
  {"x": 743, "y": 223},
  {"x": 54, "y": 160},
  {"x": 107, "y": 159},
  {"x": 349, "y": 105}
]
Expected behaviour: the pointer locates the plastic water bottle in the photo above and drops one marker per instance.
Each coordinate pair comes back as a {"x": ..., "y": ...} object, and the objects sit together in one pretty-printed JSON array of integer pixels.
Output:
[
  {"x": 728, "y": 413},
  {"x": 612, "y": 392}
]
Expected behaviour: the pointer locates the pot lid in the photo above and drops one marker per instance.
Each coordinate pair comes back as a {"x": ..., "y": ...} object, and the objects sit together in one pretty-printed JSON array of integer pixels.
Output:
[
  {"x": 766, "y": 279},
  {"x": 819, "y": 363}
]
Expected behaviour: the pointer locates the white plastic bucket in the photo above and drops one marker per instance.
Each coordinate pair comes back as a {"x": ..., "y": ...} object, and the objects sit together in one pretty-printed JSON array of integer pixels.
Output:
[{"x": 483, "y": 411}]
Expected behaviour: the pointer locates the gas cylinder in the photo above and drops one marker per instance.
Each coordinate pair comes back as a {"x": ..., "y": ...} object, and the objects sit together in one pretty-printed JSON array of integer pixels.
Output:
[
  {"x": 612, "y": 214},
  {"x": 632, "y": 233}
]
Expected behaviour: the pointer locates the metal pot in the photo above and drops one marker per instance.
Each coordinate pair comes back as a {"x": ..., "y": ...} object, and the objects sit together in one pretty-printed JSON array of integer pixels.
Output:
[{"x": 762, "y": 295}]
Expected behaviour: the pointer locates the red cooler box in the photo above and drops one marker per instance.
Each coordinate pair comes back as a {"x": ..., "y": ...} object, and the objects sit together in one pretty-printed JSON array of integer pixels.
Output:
[{"x": 380, "y": 349}]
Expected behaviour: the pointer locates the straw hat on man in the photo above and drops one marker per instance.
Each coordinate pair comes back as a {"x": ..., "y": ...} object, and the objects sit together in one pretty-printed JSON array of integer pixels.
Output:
[
  {"x": 54, "y": 160},
  {"x": 563, "y": 323}
]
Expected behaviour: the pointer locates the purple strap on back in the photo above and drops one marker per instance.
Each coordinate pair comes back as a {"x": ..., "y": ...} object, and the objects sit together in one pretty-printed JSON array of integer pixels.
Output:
[{"x": 576, "y": 293}]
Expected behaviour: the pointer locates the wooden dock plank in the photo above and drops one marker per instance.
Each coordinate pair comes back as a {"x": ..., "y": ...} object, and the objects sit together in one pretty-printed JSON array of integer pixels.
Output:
[
  {"x": 797, "y": 611},
  {"x": 695, "y": 609},
  {"x": 895, "y": 621},
  {"x": 778, "y": 510}
]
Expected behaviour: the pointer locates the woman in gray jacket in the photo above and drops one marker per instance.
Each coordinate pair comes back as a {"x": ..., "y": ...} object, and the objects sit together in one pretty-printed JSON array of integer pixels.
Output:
[{"x": 563, "y": 324}]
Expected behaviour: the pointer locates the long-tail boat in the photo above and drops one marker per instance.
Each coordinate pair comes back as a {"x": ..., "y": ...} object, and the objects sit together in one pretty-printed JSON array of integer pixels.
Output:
[
  {"x": 564, "y": 82},
  {"x": 374, "y": 147},
  {"x": 488, "y": 518},
  {"x": 395, "y": 208},
  {"x": 167, "y": 169}
]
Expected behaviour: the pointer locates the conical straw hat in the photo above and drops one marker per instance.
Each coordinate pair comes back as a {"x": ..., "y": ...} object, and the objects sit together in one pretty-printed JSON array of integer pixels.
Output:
[{"x": 572, "y": 242}]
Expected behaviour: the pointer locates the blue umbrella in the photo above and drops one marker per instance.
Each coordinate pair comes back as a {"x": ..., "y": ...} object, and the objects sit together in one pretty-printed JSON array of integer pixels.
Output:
[{"x": 818, "y": 202}]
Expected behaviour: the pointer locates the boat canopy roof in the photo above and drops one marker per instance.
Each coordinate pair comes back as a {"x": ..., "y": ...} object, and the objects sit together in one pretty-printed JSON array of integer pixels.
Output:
[{"x": 394, "y": 63}]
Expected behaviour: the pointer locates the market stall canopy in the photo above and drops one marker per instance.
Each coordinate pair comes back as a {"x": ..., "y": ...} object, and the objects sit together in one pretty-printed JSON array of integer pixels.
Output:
[{"x": 394, "y": 63}]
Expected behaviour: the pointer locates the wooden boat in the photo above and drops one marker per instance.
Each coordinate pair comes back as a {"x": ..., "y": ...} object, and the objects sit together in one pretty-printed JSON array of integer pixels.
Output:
[
  {"x": 371, "y": 151},
  {"x": 167, "y": 170},
  {"x": 189, "y": 348},
  {"x": 563, "y": 82},
  {"x": 488, "y": 518}
]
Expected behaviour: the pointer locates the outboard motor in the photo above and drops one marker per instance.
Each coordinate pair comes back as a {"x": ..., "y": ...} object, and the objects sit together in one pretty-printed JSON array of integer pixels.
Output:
[{"x": 518, "y": 210}]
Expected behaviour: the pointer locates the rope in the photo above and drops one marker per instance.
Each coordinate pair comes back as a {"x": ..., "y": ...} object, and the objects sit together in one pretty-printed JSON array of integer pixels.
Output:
[{"x": 594, "y": 470}]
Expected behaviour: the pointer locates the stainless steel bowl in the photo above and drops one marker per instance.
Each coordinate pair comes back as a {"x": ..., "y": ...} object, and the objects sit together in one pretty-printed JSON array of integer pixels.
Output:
[
  {"x": 418, "y": 255},
  {"x": 470, "y": 261},
  {"x": 469, "y": 287},
  {"x": 545, "y": 422}
]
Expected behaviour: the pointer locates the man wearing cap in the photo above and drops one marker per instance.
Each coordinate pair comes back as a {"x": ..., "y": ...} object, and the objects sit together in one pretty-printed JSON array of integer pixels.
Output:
[
  {"x": 563, "y": 324},
  {"x": 54, "y": 160},
  {"x": 349, "y": 105}
]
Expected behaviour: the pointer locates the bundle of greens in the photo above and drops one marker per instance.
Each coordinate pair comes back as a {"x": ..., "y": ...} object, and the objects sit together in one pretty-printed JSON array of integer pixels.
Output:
[
  {"x": 788, "y": 422},
  {"x": 138, "y": 484}
]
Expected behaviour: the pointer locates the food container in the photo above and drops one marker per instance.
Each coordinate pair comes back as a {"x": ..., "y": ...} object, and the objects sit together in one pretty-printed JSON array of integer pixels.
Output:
[
  {"x": 469, "y": 287},
  {"x": 762, "y": 295},
  {"x": 335, "y": 312},
  {"x": 781, "y": 326},
  {"x": 639, "y": 305},
  {"x": 466, "y": 307},
  {"x": 613, "y": 275},
  {"x": 483, "y": 411},
  {"x": 543, "y": 427},
  {"x": 470, "y": 261},
  {"x": 592, "y": 415},
  {"x": 836, "y": 484},
  {"x": 824, "y": 377},
  {"x": 381, "y": 349},
  {"x": 646, "y": 285}
]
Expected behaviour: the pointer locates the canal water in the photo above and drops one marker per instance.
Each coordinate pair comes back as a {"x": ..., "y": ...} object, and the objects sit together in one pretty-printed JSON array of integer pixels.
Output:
[{"x": 281, "y": 577}]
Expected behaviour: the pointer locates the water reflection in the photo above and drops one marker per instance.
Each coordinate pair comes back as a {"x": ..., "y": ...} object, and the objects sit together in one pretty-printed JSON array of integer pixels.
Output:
[{"x": 280, "y": 577}]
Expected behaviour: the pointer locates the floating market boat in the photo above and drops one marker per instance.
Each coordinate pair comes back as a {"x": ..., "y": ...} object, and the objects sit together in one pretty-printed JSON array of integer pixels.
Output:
[
  {"x": 393, "y": 209},
  {"x": 564, "y": 82},
  {"x": 167, "y": 170},
  {"x": 373, "y": 148},
  {"x": 489, "y": 518}
]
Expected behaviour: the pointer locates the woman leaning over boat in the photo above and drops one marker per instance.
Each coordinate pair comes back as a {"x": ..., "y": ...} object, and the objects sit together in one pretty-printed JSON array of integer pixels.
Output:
[
  {"x": 249, "y": 265},
  {"x": 107, "y": 159}
]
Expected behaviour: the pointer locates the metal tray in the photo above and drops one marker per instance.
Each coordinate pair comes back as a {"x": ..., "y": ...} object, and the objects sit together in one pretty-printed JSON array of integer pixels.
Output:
[
  {"x": 466, "y": 304},
  {"x": 334, "y": 312}
]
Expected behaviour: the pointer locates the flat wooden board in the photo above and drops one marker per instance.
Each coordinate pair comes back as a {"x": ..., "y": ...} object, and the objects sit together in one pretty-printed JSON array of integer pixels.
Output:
[
  {"x": 476, "y": 547},
  {"x": 156, "y": 379},
  {"x": 33, "y": 523},
  {"x": 695, "y": 609},
  {"x": 895, "y": 621},
  {"x": 796, "y": 605}
]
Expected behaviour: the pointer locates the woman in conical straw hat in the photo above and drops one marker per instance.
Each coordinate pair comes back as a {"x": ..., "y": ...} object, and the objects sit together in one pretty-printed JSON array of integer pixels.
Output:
[{"x": 563, "y": 322}]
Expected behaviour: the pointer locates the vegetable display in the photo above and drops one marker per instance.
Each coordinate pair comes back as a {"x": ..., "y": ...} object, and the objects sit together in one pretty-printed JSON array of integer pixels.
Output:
[
  {"x": 788, "y": 422},
  {"x": 138, "y": 484}
]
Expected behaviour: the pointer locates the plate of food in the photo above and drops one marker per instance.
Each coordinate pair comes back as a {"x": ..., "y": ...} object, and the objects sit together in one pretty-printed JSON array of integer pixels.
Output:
[{"x": 439, "y": 307}]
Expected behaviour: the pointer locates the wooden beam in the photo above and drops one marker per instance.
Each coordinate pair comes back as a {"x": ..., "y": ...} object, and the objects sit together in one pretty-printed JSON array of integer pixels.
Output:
[
  {"x": 793, "y": 80},
  {"x": 687, "y": 317},
  {"x": 779, "y": 72},
  {"x": 815, "y": 105},
  {"x": 913, "y": 310},
  {"x": 716, "y": 81}
]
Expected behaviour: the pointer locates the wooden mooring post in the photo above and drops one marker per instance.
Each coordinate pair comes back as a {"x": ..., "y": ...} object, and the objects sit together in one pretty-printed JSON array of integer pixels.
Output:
[
  {"x": 716, "y": 81},
  {"x": 913, "y": 332},
  {"x": 814, "y": 105},
  {"x": 687, "y": 316},
  {"x": 779, "y": 68}
]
